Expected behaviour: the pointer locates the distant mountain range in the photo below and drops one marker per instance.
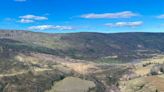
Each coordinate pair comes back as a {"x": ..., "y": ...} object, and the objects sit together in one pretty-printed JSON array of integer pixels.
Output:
[{"x": 85, "y": 46}]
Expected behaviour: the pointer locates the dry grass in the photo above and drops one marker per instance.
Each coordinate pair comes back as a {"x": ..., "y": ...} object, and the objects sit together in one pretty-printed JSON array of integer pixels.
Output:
[
  {"x": 144, "y": 70},
  {"x": 159, "y": 59},
  {"x": 143, "y": 84},
  {"x": 81, "y": 68},
  {"x": 156, "y": 81},
  {"x": 44, "y": 60}
]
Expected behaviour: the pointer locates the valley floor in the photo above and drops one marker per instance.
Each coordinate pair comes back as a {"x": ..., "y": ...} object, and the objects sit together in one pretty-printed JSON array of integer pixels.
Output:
[{"x": 45, "y": 73}]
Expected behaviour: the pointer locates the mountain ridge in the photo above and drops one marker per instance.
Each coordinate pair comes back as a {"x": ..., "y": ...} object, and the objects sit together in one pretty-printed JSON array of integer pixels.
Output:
[
  {"x": 79, "y": 32},
  {"x": 91, "y": 46}
]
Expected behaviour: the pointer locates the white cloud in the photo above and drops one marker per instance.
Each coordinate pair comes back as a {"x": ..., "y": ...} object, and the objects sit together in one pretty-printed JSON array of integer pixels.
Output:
[
  {"x": 125, "y": 24},
  {"x": 161, "y": 16},
  {"x": 33, "y": 17},
  {"x": 26, "y": 21},
  {"x": 20, "y": 0},
  {"x": 50, "y": 27},
  {"x": 124, "y": 14}
]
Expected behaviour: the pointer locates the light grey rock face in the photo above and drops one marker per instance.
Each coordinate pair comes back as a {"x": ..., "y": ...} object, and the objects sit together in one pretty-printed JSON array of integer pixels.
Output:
[{"x": 73, "y": 84}]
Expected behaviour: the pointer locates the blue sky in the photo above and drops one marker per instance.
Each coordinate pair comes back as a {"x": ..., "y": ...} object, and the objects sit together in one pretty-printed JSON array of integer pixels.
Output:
[{"x": 109, "y": 16}]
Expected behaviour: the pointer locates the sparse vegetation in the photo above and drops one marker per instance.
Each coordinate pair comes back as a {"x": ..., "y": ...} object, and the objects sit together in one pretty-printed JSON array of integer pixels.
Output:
[
  {"x": 157, "y": 69},
  {"x": 37, "y": 62}
]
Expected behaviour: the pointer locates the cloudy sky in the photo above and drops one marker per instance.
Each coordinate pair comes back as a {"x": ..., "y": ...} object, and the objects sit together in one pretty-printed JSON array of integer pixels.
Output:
[{"x": 109, "y": 16}]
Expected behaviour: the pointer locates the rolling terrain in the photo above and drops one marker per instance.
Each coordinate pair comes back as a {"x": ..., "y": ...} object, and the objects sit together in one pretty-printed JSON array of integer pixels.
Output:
[
  {"x": 99, "y": 62},
  {"x": 90, "y": 46}
]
